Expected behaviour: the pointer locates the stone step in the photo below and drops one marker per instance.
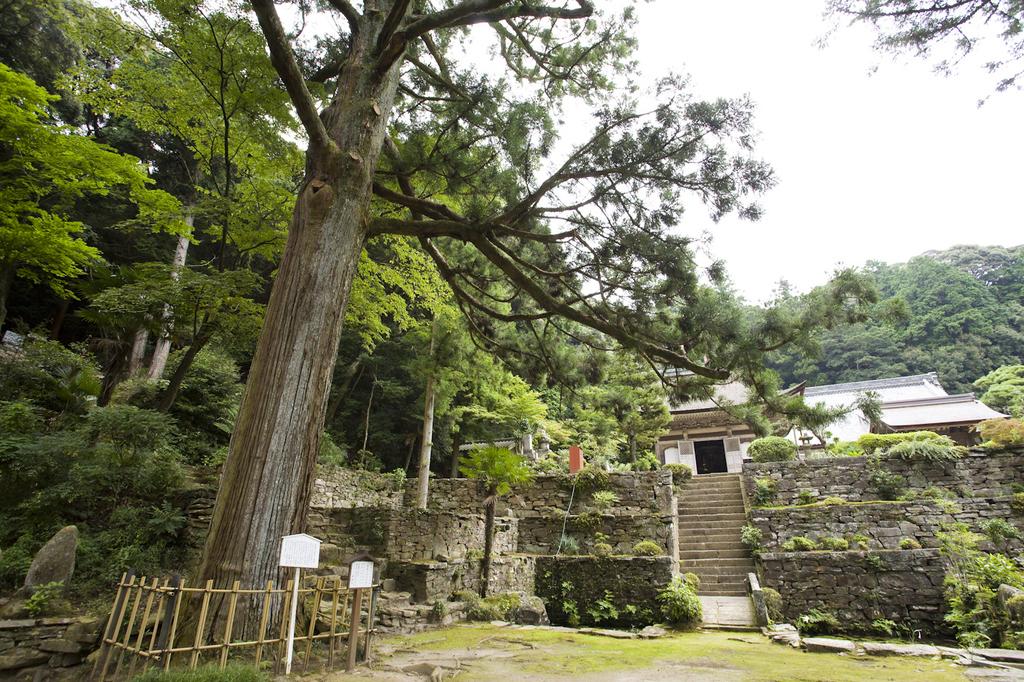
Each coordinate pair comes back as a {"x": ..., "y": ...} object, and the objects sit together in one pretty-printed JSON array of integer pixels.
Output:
[
  {"x": 718, "y": 566},
  {"x": 740, "y": 553},
  {"x": 711, "y": 495},
  {"x": 691, "y": 539},
  {"x": 706, "y": 510},
  {"x": 738, "y": 517},
  {"x": 728, "y": 543},
  {"x": 717, "y": 485},
  {"x": 715, "y": 579},
  {"x": 692, "y": 523},
  {"x": 733, "y": 590}
]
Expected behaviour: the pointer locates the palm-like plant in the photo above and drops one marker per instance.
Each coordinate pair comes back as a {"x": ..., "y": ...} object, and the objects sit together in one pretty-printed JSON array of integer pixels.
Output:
[{"x": 499, "y": 469}]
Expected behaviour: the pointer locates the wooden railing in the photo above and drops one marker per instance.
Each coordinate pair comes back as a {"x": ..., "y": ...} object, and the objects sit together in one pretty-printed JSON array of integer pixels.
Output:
[{"x": 146, "y": 624}]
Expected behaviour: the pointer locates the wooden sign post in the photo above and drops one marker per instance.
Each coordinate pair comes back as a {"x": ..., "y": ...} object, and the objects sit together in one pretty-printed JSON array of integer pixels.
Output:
[
  {"x": 360, "y": 577},
  {"x": 298, "y": 552}
]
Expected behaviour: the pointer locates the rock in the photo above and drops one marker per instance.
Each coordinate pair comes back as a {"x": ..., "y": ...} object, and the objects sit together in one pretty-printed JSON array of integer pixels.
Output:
[
  {"x": 22, "y": 658},
  {"x": 500, "y": 623},
  {"x": 389, "y": 585},
  {"x": 532, "y": 612},
  {"x": 13, "y": 608},
  {"x": 614, "y": 634},
  {"x": 887, "y": 649},
  {"x": 1001, "y": 655},
  {"x": 829, "y": 645},
  {"x": 60, "y": 646},
  {"x": 653, "y": 632},
  {"x": 55, "y": 562}
]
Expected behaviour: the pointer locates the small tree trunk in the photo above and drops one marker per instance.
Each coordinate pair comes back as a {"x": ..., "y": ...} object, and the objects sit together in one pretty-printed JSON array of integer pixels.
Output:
[
  {"x": 456, "y": 444},
  {"x": 138, "y": 352},
  {"x": 163, "y": 344},
  {"x": 632, "y": 448},
  {"x": 170, "y": 394},
  {"x": 58, "y": 319},
  {"x": 423, "y": 476},
  {"x": 7, "y": 271},
  {"x": 485, "y": 566}
]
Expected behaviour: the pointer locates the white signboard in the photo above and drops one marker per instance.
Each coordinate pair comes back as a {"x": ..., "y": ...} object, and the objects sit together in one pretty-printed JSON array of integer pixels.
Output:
[
  {"x": 300, "y": 551},
  {"x": 360, "y": 575}
]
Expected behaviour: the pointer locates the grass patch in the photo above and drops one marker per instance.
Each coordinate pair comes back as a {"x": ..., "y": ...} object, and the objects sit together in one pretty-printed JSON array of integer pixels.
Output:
[{"x": 538, "y": 653}]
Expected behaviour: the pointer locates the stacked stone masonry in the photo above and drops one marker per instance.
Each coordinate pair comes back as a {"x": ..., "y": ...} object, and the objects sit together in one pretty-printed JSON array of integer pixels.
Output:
[
  {"x": 981, "y": 474},
  {"x": 904, "y": 586},
  {"x": 46, "y": 648}
]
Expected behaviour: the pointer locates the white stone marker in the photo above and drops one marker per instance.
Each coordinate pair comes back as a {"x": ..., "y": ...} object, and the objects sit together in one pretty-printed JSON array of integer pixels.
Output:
[{"x": 298, "y": 552}]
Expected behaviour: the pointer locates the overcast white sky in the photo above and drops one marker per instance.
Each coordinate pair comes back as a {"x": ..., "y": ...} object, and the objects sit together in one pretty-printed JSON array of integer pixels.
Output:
[{"x": 871, "y": 165}]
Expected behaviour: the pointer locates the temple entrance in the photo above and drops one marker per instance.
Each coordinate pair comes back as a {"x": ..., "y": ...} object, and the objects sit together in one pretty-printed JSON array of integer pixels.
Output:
[{"x": 710, "y": 455}]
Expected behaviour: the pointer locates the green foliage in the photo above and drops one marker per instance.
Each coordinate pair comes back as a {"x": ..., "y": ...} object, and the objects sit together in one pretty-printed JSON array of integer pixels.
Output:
[
  {"x": 647, "y": 548},
  {"x": 880, "y": 443},
  {"x": 603, "y": 500},
  {"x": 971, "y": 586},
  {"x": 886, "y": 484},
  {"x": 806, "y": 497},
  {"x": 495, "y": 607},
  {"x": 834, "y": 544},
  {"x": 765, "y": 491},
  {"x": 1003, "y": 390},
  {"x": 818, "y": 622},
  {"x": 591, "y": 479},
  {"x": 751, "y": 537},
  {"x": 568, "y": 545},
  {"x": 603, "y": 610},
  {"x": 874, "y": 562},
  {"x": 932, "y": 450},
  {"x": 773, "y": 603},
  {"x": 330, "y": 453},
  {"x": 831, "y": 500},
  {"x": 679, "y": 604},
  {"x": 887, "y": 628},
  {"x": 42, "y": 601},
  {"x": 57, "y": 379},
  {"x": 772, "y": 449},
  {"x": 499, "y": 468},
  {"x": 1017, "y": 503},
  {"x": 799, "y": 544},
  {"x": 603, "y": 549},
  {"x": 1000, "y": 532},
  {"x": 680, "y": 472},
  {"x": 909, "y": 543},
  {"x": 692, "y": 579},
  {"x": 860, "y": 541},
  {"x": 1002, "y": 433}
]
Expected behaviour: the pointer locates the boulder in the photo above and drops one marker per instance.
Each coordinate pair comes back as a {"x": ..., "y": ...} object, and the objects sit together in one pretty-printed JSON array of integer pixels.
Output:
[
  {"x": 1001, "y": 655},
  {"x": 532, "y": 612},
  {"x": 829, "y": 645},
  {"x": 55, "y": 562},
  {"x": 22, "y": 658},
  {"x": 888, "y": 649}
]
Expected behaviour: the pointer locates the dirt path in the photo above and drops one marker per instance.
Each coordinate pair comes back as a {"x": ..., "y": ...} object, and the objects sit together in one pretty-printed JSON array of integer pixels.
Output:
[{"x": 515, "y": 654}]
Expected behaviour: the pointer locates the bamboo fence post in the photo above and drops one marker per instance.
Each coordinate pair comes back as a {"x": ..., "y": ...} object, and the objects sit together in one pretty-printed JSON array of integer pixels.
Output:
[
  {"x": 113, "y": 624},
  {"x": 156, "y": 626},
  {"x": 335, "y": 594},
  {"x": 142, "y": 624},
  {"x": 178, "y": 596},
  {"x": 131, "y": 623},
  {"x": 283, "y": 636},
  {"x": 201, "y": 625},
  {"x": 229, "y": 624},
  {"x": 264, "y": 617},
  {"x": 318, "y": 591}
]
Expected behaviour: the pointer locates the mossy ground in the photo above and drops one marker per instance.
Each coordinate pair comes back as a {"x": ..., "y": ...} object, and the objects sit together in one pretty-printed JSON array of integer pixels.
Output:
[{"x": 485, "y": 652}]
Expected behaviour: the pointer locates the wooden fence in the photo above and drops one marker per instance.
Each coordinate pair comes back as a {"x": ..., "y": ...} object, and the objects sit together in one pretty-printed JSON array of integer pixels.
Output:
[{"x": 148, "y": 617}]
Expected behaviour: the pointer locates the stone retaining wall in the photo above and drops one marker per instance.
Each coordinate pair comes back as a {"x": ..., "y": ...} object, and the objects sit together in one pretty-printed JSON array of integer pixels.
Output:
[
  {"x": 859, "y": 587},
  {"x": 884, "y": 523},
  {"x": 47, "y": 648},
  {"x": 342, "y": 488},
  {"x": 980, "y": 474},
  {"x": 574, "y": 587},
  {"x": 541, "y": 534},
  {"x": 435, "y": 580}
]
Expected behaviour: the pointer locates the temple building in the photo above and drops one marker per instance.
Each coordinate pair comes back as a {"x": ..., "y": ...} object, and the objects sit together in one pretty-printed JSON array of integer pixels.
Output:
[{"x": 710, "y": 440}]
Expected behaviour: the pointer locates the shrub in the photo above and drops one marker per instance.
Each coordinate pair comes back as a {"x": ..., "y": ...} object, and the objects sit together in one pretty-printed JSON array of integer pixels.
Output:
[
  {"x": 772, "y": 449},
  {"x": 799, "y": 544},
  {"x": 1000, "y": 532},
  {"x": 680, "y": 472},
  {"x": 604, "y": 500},
  {"x": 332, "y": 454},
  {"x": 765, "y": 490},
  {"x": 603, "y": 549},
  {"x": 887, "y": 628},
  {"x": 818, "y": 622},
  {"x": 773, "y": 603},
  {"x": 887, "y": 485},
  {"x": 645, "y": 462},
  {"x": 44, "y": 600},
  {"x": 806, "y": 497},
  {"x": 860, "y": 541},
  {"x": 931, "y": 450},
  {"x": 568, "y": 545},
  {"x": 909, "y": 543},
  {"x": 496, "y": 607},
  {"x": 1002, "y": 433},
  {"x": 1017, "y": 503},
  {"x": 832, "y": 500},
  {"x": 591, "y": 479},
  {"x": 50, "y": 375},
  {"x": 647, "y": 548},
  {"x": 834, "y": 544},
  {"x": 878, "y": 443},
  {"x": 693, "y": 580},
  {"x": 751, "y": 537},
  {"x": 679, "y": 604},
  {"x": 844, "y": 448}
]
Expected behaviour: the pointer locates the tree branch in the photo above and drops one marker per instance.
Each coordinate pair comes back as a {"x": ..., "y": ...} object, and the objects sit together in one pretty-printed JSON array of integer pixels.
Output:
[
  {"x": 350, "y": 13},
  {"x": 283, "y": 59}
]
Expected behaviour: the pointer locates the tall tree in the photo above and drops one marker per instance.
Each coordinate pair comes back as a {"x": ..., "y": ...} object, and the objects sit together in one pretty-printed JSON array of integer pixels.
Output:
[{"x": 585, "y": 238}]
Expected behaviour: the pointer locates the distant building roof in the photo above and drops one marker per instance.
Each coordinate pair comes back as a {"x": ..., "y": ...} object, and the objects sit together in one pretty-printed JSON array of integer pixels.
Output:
[
  {"x": 732, "y": 392},
  {"x": 947, "y": 410},
  {"x": 895, "y": 388}
]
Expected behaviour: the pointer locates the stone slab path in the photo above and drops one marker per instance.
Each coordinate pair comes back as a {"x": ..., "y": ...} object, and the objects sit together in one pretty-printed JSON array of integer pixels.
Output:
[{"x": 728, "y": 611}]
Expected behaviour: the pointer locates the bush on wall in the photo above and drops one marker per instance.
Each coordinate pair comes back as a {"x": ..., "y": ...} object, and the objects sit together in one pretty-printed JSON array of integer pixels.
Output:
[
  {"x": 1001, "y": 433},
  {"x": 772, "y": 449},
  {"x": 679, "y": 604}
]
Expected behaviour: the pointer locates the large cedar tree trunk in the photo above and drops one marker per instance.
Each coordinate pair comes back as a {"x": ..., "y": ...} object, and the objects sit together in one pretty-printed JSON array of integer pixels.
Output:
[{"x": 267, "y": 479}]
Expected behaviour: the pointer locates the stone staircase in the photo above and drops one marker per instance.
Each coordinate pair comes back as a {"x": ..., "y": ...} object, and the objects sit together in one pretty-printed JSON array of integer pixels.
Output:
[{"x": 711, "y": 515}]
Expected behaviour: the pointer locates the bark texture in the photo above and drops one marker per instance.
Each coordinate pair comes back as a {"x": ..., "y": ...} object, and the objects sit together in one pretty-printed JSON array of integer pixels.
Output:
[
  {"x": 7, "y": 271},
  {"x": 429, "y": 395},
  {"x": 162, "y": 349},
  {"x": 268, "y": 476}
]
